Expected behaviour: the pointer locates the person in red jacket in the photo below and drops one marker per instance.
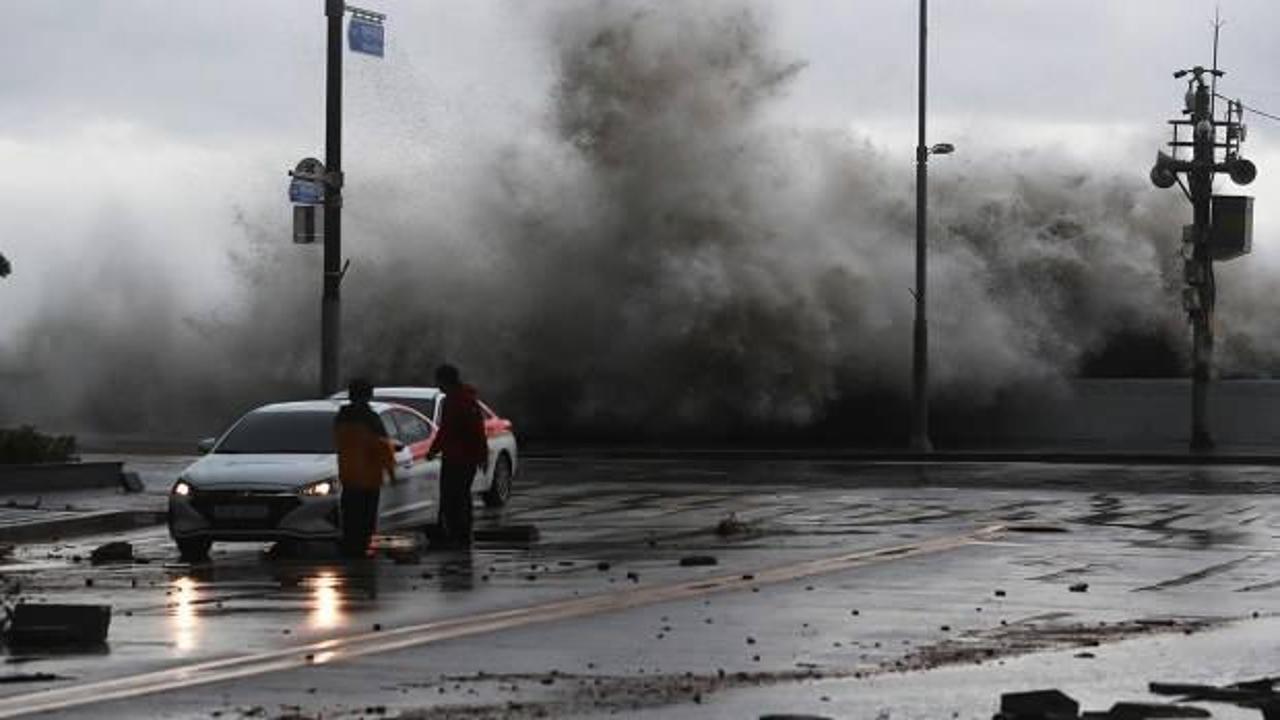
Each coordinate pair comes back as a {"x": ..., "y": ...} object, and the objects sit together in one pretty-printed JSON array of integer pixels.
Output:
[{"x": 464, "y": 448}]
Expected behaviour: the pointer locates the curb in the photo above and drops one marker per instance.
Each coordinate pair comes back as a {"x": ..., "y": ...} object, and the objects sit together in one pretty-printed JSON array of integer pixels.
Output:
[
  {"x": 89, "y": 523},
  {"x": 58, "y": 477}
]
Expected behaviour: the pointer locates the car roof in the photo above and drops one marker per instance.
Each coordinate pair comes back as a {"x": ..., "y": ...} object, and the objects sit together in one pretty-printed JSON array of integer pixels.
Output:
[
  {"x": 316, "y": 406},
  {"x": 406, "y": 391}
]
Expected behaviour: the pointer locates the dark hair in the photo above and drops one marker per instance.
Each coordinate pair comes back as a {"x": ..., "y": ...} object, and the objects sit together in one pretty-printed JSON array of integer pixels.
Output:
[
  {"x": 447, "y": 375},
  {"x": 360, "y": 390}
]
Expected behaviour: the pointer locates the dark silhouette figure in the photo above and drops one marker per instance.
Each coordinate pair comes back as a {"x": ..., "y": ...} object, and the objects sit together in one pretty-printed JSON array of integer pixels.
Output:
[
  {"x": 462, "y": 444},
  {"x": 365, "y": 456}
]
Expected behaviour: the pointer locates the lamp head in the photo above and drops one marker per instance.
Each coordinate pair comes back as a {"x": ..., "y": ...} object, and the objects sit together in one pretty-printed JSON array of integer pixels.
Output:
[
  {"x": 1242, "y": 171},
  {"x": 1162, "y": 175}
]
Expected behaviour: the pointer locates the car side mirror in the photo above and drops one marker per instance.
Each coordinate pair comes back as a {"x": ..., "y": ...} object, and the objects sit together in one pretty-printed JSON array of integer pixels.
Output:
[{"x": 206, "y": 445}]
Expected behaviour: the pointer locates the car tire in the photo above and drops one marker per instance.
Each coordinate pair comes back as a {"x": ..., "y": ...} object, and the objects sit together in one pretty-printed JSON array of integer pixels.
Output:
[
  {"x": 194, "y": 549},
  {"x": 499, "y": 491}
]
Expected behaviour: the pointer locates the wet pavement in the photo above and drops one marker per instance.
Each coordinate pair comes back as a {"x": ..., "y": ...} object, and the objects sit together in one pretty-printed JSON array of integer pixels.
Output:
[{"x": 842, "y": 589}]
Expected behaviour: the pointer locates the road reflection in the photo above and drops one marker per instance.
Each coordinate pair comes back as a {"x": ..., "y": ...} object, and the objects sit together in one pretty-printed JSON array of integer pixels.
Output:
[
  {"x": 184, "y": 621},
  {"x": 326, "y": 602}
]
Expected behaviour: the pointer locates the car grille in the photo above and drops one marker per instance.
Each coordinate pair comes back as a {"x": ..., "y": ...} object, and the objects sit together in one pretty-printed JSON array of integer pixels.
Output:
[{"x": 276, "y": 505}]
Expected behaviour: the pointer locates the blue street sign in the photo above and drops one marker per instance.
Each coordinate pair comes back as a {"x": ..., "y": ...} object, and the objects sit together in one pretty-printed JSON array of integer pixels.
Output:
[
  {"x": 366, "y": 36},
  {"x": 306, "y": 192}
]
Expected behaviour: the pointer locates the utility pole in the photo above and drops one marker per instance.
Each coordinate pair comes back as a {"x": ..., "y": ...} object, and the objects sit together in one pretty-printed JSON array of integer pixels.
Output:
[
  {"x": 1221, "y": 227},
  {"x": 1200, "y": 178},
  {"x": 330, "y": 302},
  {"x": 920, "y": 337}
]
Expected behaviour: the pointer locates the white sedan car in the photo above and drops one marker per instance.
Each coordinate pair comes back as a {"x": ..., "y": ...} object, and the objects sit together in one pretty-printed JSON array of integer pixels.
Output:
[
  {"x": 493, "y": 485},
  {"x": 274, "y": 475}
]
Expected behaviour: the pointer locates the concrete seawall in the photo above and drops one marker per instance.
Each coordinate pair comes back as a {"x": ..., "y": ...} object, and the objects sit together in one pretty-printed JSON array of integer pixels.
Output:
[{"x": 1150, "y": 414}]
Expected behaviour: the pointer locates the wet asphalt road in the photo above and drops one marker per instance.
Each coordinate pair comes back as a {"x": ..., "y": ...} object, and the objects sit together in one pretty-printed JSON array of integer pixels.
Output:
[{"x": 1177, "y": 561}]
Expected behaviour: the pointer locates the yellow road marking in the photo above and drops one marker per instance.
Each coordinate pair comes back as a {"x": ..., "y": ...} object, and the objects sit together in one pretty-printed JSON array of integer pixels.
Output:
[{"x": 353, "y": 646}]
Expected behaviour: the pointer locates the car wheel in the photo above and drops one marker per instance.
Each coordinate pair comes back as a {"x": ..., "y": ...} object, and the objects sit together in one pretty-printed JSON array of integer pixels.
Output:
[
  {"x": 500, "y": 489},
  {"x": 194, "y": 549}
]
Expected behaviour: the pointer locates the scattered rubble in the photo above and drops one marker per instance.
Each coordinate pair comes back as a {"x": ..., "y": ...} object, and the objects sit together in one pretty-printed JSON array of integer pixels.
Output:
[
  {"x": 112, "y": 552},
  {"x": 1055, "y": 705},
  {"x": 1034, "y": 635},
  {"x": 731, "y": 526},
  {"x": 1260, "y": 694}
]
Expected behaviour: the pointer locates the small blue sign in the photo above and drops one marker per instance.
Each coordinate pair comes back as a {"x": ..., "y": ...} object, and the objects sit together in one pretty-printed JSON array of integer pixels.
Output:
[
  {"x": 306, "y": 192},
  {"x": 366, "y": 36}
]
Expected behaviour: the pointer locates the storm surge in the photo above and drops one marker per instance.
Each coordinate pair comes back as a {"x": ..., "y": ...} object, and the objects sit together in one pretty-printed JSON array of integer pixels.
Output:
[{"x": 662, "y": 258}]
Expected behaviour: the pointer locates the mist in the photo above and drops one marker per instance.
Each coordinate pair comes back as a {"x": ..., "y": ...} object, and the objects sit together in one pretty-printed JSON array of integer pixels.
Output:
[{"x": 662, "y": 255}]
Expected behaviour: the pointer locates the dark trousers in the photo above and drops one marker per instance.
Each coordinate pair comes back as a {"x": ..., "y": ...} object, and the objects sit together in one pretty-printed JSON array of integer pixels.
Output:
[
  {"x": 359, "y": 519},
  {"x": 455, "y": 499}
]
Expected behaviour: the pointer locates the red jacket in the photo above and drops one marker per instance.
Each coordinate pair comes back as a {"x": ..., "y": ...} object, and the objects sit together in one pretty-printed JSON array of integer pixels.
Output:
[{"x": 462, "y": 437}]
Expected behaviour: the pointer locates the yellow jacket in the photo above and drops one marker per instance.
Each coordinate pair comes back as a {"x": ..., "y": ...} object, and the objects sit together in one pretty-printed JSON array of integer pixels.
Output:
[{"x": 364, "y": 452}]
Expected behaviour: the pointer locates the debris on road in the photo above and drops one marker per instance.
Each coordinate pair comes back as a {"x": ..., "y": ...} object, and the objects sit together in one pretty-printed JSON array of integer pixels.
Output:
[
  {"x": 1259, "y": 694},
  {"x": 730, "y": 526},
  {"x": 1079, "y": 587},
  {"x": 1038, "y": 705},
  {"x": 112, "y": 552},
  {"x": 1020, "y": 638},
  {"x": 131, "y": 482},
  {"x": 54, "y": 624},
  {"x": 30, "y": 677},
  {"x": 1056, "y": 705},
  {"x": 697, "y": 561}
]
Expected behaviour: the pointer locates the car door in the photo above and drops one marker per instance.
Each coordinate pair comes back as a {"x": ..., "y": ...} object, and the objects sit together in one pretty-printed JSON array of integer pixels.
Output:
[
  {"x": 394, "y": 493},
  {"x": 418, "y": 479}
]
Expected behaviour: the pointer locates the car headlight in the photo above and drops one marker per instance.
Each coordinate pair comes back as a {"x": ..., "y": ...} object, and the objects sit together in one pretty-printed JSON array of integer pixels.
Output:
[
  {"x": 183, "y": 488},
  {"x": 321, "y": 488}
]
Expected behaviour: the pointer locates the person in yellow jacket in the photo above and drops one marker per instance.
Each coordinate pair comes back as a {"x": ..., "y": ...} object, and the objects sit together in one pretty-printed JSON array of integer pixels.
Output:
[{"x": 365, "y": 458}]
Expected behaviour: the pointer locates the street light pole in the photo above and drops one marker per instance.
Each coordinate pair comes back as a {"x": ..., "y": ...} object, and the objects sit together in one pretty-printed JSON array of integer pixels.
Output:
[
  {"x": 330, "y": 304},
  {"x": 920, "y": 351}
]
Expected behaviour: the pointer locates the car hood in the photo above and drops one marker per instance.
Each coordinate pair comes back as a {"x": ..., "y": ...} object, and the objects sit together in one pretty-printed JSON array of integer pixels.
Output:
[{"x": 229, "y": 471}]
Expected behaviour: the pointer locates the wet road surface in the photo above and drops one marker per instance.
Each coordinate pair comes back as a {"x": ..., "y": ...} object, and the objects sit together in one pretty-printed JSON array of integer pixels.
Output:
[{"x": 600, "y": 616}]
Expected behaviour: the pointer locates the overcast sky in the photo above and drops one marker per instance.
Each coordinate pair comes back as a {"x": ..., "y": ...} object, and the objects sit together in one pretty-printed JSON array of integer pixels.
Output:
[{"x": 165, "y": 116}]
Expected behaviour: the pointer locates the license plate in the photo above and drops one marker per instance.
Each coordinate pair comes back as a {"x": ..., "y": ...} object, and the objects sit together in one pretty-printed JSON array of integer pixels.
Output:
[{"x": 240, "y": 512}]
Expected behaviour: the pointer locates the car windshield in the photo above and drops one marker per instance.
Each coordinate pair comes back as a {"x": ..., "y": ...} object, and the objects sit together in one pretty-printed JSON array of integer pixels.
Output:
[
  {"x": 426, "y": 406},
  {"x": 309, "y": 432}
]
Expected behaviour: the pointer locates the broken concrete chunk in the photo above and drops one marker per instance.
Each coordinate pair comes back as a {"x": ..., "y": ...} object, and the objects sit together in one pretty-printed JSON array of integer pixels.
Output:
[
  {"x": 1142, "y": 711},
  {"x": 131, "y": 482},
  {"x": 112, "y": 552},
  {"x": 51, "y": 624},
  {"x": 731, "y": 526},
  {"x": 1038, "y": 705}
]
